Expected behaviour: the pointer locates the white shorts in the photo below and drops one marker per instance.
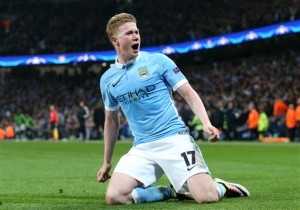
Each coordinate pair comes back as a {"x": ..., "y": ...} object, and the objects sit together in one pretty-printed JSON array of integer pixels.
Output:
[{"x": 178, "y": 156}]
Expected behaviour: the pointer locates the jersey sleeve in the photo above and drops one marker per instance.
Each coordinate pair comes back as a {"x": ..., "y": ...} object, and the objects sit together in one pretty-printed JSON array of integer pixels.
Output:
[
  {"x": 110, "y": 102},
  {"x": 171, "y": 73}
]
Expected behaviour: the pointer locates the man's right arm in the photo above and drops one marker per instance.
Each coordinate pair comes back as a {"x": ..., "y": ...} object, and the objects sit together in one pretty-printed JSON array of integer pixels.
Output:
[{"x": 111, "y": 131}]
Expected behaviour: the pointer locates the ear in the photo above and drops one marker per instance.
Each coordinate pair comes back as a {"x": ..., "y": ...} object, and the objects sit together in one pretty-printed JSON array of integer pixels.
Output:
[{"x": 114, "y": 41}]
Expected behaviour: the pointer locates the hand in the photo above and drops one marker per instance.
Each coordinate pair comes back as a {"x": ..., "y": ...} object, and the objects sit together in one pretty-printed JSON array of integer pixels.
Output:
[
  {"x": 103, "y": 173},
  {"x": 212, "y": 132}
]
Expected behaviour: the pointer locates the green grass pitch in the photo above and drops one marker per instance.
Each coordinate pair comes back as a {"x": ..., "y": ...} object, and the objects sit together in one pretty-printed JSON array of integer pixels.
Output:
[{"x": 62, "y": 175}]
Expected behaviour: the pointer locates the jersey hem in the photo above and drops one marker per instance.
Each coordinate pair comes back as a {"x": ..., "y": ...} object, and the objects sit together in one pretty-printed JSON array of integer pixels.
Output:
[
  {"x": 112, "y": 108},
  {"x": 178, "y": 84}
]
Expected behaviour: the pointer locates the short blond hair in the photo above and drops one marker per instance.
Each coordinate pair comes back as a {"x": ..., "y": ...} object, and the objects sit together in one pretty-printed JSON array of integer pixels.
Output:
[{"x": 116, "y": 21}]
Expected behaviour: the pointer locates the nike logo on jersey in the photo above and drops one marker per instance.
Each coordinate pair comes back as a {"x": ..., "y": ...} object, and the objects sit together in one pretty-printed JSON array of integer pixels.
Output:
[{"x": 114, "y": 84}]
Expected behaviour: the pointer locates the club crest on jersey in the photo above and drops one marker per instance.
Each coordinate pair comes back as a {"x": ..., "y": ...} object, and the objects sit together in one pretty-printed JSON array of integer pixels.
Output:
[{"x": 143, "y": 73}]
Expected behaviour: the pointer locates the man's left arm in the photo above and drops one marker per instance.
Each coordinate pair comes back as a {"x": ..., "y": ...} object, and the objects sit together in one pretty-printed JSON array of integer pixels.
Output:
[{"x": 197, "y": 106}]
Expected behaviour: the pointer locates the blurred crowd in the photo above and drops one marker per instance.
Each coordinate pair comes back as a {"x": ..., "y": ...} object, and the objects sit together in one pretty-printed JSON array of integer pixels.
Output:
[
  {"x": 27, "y": 94},
  {"x": 61, "y": 26},
  {"x": 266, "y": 85}
]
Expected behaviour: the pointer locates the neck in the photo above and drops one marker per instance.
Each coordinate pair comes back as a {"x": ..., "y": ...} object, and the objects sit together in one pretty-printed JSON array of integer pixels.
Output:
[{"x": 123, "y": 60}]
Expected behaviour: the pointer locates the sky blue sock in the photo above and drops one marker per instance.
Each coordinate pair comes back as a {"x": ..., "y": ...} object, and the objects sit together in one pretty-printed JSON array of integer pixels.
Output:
[
  {"x": 221, "y": 189},
  {"x": 152, "y": 194}
]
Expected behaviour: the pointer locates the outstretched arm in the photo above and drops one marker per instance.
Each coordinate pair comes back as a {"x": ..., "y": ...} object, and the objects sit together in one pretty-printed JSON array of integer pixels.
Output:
[
  {"x": 111, "y": 131},
  {"x": 197, "y": 106}
]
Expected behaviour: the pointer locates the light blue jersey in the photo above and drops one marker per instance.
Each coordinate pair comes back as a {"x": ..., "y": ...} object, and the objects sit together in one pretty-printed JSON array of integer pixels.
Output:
[{"x": 142, "y": 88}]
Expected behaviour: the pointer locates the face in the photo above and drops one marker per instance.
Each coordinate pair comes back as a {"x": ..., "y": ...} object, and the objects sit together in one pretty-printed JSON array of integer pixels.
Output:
[{"x": 127, "y": 42}]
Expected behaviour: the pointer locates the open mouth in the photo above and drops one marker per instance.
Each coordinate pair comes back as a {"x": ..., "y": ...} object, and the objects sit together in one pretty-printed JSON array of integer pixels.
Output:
[{"x": 135, "y": 46}]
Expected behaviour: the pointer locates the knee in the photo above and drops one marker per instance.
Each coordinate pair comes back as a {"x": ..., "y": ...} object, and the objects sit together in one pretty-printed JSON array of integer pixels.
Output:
[
  {"x": 112, "y": 198},
  {"x": 115, "y": 197},
  {"x": 207, "y": 197}
]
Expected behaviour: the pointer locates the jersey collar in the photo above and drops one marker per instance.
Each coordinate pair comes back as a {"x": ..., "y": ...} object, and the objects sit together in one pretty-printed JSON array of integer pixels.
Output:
[{"x": 133, "y": 61}]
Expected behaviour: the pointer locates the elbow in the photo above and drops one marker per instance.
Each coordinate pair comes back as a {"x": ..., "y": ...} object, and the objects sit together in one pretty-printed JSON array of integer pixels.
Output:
[{"x": 113, "y": 124}]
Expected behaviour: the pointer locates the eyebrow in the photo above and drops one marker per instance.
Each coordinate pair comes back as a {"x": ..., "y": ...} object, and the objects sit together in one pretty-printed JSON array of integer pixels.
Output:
[{"x": 132, "y": 31}]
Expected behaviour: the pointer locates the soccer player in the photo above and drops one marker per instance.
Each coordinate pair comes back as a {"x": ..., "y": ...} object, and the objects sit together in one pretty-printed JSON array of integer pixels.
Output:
[
  {"x": 53, "y": 122},
  {"x": 140, "y": 83}
]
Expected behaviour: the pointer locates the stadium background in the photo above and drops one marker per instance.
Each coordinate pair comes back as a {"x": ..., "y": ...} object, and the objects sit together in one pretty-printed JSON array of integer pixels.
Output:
[{"x": 259, "y": 71}]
